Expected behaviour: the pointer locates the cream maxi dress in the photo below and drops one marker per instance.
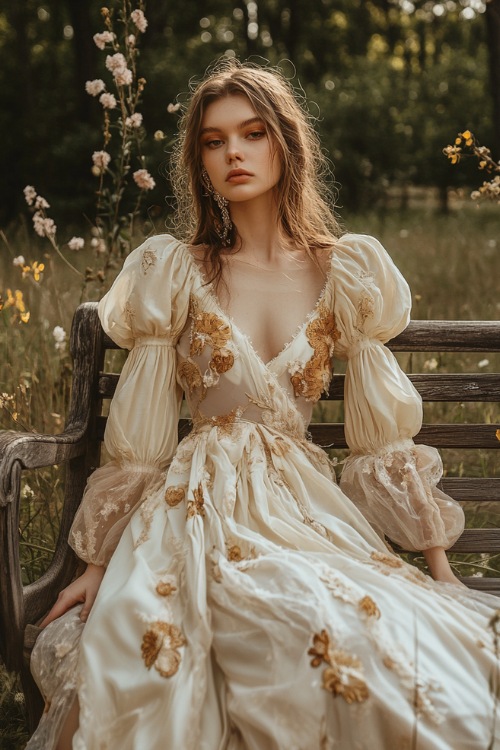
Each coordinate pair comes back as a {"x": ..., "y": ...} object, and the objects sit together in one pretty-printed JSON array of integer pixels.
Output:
[{"x": 248, "y": 604}]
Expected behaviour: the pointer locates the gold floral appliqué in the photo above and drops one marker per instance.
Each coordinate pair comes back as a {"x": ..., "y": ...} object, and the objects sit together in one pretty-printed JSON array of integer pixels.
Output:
[
  {"x": 174, "y": 496},
  {"x": 344, "y": 674},
  {"x": 368, "y": 607},
  {"x": 196, "y": 507},
  {"x": 191, "y": 374},
  {"x": 209, "y": 328},
  {"x": 314, "y": 377},
  {"x": 165, "y": 588},
  {"x": 159, "y": 647}
]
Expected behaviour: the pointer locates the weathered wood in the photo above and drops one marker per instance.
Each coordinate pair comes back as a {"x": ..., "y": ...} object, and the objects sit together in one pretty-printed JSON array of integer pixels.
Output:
[
  {"x": 478, "y": 489},
  {"x": 432, "y": 387},
  {"x": 331, "y": 435},
  {"x": 20, "y": 606},
  {"x": 478, "y": 540},
  {"x": 448, "y": 336},
  {"x": 489, "y": 585},
  {"x": 435, "y": 336}
]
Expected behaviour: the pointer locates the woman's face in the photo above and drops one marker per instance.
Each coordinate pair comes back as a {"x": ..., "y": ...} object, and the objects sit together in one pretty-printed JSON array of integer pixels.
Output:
[{"x": 237, "y": 150}]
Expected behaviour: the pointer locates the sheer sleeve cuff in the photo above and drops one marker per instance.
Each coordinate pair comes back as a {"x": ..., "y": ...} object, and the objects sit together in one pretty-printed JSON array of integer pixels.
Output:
[
  {"x": 113, "y": 494},
  {"x": 396, "y": 491}
]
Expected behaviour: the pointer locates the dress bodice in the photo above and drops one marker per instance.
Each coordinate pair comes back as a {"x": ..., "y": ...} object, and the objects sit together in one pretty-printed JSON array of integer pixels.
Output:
[{"x": 225, "y": 379}]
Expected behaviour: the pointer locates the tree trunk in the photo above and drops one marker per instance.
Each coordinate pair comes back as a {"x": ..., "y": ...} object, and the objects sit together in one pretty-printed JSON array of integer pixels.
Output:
[
  {"x": 492, "y": 16},
  {"x": 85, "y": 54}
]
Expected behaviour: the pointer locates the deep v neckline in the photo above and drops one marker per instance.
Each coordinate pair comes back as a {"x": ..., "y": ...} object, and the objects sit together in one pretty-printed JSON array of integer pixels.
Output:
[{"x": 211, "y": 293}]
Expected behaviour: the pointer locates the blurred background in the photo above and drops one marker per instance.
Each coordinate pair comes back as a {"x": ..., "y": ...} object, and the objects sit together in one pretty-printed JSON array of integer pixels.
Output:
[{"x": 390, "y": 81}]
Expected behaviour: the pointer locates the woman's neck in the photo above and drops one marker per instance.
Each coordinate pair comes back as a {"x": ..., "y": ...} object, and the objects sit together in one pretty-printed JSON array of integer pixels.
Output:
[{"x": 258, "y": 227}]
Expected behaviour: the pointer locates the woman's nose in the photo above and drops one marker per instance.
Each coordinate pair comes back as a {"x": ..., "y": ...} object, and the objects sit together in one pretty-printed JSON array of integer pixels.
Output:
[{"x": 233, "y": 152}]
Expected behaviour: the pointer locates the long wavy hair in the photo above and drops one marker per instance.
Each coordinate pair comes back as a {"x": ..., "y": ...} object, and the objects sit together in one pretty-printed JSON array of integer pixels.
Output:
[{"x": 305, "y": 206}]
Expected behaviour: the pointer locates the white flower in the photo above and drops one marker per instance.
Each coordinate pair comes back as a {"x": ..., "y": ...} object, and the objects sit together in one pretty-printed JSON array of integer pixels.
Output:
[
  {"x": 103, "y": 38},
  {"x": 143, "y": 179},
  {"x": 483, "y": 363},
  {"x": 116, "y": 62},
  {"x": 19, "y": 261},
  {"x": 134, "y": 121},
  {"x": 173, "y": 108},
  {"x": 159, "y": 135},
  {"x": 123, "y": 77},
  {"x": 431, "y": 364},
  {"x": 59, "y": 335},
  {"x": 41, "y": 203},
  {"x": 29, "y": 194},
  {"x": 108, "y": 101},
  {"x": 139, "y": 19},
  {"x": 95, "y": 87},
  {"x": 118, "y": 66},
  {"x": 43, "y": 227},
  {"x": 131, "y": 40},
  {"x": 101, "y": 160},
  {"x": 98, "y": 245},
  {"x": 27, "y": 492},
  {"x": 76, "y": 243}
]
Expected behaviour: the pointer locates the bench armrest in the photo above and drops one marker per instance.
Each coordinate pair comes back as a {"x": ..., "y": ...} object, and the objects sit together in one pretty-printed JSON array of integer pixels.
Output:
[{"x": 26, "y": 450}]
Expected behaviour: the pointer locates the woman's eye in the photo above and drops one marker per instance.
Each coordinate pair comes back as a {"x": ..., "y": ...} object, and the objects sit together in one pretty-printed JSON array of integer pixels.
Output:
[
  {"x": 256, "y": 134},
  {"x": 213, "y": 143}
]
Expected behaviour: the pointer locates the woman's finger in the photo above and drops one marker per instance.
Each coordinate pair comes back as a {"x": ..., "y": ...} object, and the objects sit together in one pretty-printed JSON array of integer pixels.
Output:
[{"x": 61, "y": 606}]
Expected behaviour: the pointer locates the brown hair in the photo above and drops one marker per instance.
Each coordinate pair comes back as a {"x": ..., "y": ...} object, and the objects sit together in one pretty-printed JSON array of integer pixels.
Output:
[{"x": 306, "y": 218}]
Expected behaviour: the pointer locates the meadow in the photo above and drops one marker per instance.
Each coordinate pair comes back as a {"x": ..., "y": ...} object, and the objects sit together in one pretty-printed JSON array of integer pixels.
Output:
[{"x": 452, "y": 262}]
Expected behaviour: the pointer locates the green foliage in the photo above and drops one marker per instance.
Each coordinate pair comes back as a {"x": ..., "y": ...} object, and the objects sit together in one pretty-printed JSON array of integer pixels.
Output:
[{"x": 403, "y": 81}]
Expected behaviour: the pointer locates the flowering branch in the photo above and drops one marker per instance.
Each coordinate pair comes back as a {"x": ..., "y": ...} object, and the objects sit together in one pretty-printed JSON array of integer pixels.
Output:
[
  {"x": 112, "y": 233},
  {"x": 466, "y": 140}
]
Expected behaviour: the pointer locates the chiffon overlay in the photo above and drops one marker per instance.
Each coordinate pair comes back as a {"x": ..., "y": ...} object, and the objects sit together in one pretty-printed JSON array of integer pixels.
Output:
[{"x": 249, "y": 602}]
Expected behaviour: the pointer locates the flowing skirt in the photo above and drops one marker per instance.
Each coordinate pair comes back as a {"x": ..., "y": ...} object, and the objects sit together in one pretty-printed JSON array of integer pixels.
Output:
[{"x": 250, "y": 606}]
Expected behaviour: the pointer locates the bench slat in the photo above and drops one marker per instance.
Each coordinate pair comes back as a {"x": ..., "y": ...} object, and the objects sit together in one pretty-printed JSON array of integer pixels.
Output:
[
  {"x": 434, "y": 336},
  {"x": 478, "y": 540},
  {"x": 435, "y": 387},
  {"x": 438, "y": 435},
  {"x": 448, "y": 336},
  {"x": 490, "y": 585},
  {"x": 440, "y": 387},
  {"x": 331, "y": 435},
  {"x": 471, "y": 488}
]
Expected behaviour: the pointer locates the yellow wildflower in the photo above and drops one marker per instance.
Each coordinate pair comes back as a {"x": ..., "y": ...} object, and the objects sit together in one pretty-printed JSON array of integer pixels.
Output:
[
  {"x": 16, "y": 300},
  {"x": 453, "y": 153},
  {"x": 36, "y": 269},
  {"x": 466, "y": 136}
]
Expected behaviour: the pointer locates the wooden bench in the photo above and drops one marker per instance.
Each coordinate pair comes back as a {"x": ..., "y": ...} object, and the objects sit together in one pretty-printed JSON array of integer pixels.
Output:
[{"x": 78, "y": 448}]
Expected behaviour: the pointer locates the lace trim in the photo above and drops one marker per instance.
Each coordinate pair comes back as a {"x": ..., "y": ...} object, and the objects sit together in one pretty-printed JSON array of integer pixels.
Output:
[{"x": 405, "y": 445}]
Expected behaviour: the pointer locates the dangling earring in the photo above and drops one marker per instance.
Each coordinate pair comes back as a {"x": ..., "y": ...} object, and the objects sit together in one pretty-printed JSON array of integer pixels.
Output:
[{"x": 224, "y": 229}]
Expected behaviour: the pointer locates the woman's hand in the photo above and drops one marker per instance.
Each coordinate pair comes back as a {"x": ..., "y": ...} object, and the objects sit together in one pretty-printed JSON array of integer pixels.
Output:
[{"x": 83, "y": 589}]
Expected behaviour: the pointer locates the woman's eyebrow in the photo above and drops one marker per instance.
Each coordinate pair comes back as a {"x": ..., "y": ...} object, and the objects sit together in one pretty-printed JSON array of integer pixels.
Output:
[{"x": 242, "y": 125}]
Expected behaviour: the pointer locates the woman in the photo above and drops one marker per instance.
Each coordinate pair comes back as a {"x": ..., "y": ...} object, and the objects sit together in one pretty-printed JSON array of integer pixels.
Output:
[{"x": 247, "y": 603}]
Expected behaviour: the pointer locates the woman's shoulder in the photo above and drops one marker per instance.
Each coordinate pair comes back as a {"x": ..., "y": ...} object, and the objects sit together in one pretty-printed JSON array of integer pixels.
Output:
[{"x": 356, "y": 253}]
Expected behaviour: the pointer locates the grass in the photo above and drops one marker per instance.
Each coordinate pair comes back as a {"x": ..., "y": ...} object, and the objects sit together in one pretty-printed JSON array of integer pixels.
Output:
[{"x": 452, "y": 263}]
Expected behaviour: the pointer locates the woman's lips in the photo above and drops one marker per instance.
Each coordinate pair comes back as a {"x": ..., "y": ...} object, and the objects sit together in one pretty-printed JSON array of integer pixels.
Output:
[{"x": 238, "y": 175}]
